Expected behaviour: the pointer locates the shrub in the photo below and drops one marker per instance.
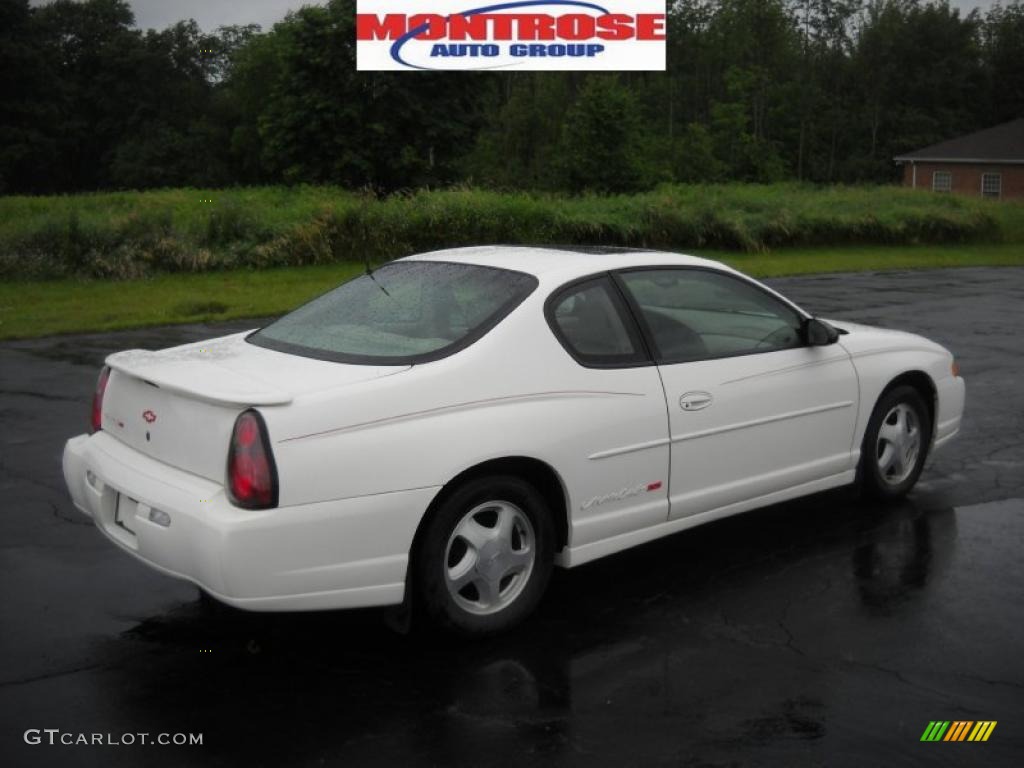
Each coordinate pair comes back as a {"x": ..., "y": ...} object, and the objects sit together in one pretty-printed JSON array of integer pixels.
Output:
[{"x": 186, "y": 230}]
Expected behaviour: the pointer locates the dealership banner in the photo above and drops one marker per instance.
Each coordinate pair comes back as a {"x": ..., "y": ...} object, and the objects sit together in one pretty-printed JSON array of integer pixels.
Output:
[{"x": 418, "y": 35}]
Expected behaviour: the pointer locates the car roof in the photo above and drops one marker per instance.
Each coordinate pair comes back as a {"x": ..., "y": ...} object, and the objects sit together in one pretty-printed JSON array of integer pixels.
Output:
[{"x": 562, "y": 263}]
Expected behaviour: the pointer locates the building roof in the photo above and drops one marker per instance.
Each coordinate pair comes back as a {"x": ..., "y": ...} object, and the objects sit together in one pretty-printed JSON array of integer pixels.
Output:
[
  {"x": 561, "y": 263},
  {"x": 1000, "y": 144}
]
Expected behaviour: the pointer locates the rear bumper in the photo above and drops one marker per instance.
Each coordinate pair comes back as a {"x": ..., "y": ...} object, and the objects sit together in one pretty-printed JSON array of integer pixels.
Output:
[{"x": 339, "y": 554}]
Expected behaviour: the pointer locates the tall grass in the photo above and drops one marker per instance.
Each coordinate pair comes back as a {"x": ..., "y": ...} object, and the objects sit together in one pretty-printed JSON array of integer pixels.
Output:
[{"x": 130, "y": 234}]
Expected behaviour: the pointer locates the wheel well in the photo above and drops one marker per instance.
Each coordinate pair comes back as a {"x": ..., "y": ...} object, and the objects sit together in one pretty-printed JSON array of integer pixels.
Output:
[
  {"x": 534, "y": 471},
  {"x": 923, "y": 383}
]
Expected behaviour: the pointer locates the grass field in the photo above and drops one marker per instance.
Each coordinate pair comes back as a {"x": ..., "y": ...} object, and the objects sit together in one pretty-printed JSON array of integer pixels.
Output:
[
  {"x": 41, "y": 308},
  {"x": 130, "y": 235}
]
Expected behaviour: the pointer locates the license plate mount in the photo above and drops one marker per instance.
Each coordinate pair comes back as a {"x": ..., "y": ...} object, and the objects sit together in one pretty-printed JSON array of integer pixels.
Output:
[{"x": 124, "y": 512}]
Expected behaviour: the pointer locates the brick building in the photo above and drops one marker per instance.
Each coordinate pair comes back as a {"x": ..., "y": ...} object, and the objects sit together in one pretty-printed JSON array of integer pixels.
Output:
[{"x": 988, "y": 163}]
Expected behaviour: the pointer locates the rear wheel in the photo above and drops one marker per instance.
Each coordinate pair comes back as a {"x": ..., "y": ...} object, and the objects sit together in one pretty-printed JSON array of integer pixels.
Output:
[
  {"x": 895, "y": 443},
  {"x": 486, "y": 556}
]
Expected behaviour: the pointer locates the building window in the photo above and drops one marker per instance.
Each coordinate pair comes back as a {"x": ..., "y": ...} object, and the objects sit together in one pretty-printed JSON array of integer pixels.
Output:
[
  {"x": 942, "y": 181},
  {"x": 991, "y": 184}
]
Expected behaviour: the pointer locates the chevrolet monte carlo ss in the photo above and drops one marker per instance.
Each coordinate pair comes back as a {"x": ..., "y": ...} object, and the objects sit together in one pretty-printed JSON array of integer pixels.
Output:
[{"x": 444, "y": 430}]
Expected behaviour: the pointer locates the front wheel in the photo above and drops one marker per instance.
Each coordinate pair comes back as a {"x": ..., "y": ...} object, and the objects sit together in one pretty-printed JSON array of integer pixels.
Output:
[
  {"x": 486, "y": 556},
  {"x": 895, "y": 443}
]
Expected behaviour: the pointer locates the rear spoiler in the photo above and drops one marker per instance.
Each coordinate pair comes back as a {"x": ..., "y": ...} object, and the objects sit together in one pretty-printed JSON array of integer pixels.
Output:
[{"x": 199, "y": 379}]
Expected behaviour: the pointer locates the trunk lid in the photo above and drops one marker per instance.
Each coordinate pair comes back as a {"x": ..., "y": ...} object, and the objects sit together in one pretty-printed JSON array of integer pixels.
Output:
[{"x": 179, "y": 405}]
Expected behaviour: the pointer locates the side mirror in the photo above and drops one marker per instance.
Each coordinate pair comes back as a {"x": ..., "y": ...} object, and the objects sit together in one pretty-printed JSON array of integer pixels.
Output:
[{"x": 818, "y": 333}]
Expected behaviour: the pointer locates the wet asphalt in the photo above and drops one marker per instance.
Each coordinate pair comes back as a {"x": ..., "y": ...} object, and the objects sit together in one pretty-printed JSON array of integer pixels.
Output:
[{"x": 829, "y": 631}]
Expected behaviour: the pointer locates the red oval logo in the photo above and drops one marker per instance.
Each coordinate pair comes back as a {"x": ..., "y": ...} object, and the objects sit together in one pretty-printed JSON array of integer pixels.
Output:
[{"x": 149, "y": 416}]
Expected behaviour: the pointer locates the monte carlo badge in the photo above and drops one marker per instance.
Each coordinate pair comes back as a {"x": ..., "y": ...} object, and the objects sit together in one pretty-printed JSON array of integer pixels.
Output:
[{"x": 414, "y": 35}]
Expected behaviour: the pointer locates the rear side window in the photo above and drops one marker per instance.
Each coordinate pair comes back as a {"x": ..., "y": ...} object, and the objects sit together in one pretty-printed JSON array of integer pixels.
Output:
[
  {"x": 590, "y": 319},
  {"x": 405, "y": 312}
]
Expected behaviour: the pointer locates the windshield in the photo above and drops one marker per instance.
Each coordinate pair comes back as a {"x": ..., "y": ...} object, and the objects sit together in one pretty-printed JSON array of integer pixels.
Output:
[{"x": 405, "y": 312}]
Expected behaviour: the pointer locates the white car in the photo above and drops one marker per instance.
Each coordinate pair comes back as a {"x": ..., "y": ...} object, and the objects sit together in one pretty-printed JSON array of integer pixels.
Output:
[{"x": 442, "y": 431}]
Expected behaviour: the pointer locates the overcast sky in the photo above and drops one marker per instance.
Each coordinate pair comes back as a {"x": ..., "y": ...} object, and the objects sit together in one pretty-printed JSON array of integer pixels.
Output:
[{"x": 213, "y": 13}]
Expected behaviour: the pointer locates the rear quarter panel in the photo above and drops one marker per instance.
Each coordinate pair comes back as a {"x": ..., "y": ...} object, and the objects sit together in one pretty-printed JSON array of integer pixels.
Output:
[{"x": 515, "y": 392}]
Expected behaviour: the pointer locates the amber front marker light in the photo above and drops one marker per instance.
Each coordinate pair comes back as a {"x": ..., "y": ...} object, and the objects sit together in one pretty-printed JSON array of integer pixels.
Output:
[{"x": 955, "y": 368}]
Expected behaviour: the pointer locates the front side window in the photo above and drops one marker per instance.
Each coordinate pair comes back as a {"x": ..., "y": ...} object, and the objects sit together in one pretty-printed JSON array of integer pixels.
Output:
[
  {"x": 695, "y": 314},
  {"x": 942, "y": 181},
  {"x": 991, "y": 184},
  {"x": 589, "y": 319},
  {"x": 403, "y": 313}
]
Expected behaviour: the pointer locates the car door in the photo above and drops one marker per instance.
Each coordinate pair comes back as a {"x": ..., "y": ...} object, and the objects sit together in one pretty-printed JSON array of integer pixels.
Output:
[
  {"x": 617, "y": 447},
  {"x": 753, "y": 410}
]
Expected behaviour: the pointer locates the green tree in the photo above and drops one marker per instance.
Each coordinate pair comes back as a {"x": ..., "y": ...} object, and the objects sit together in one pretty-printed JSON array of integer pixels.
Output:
[
  {"x": 178, "y": 139},
  {"x": 1003, "y": 40},
  {"x": 97, "y": 58},
  {"x": 28, "y": 112},
  {"x": 518, "y": 146},
  {"x": 919, "y": 79},
  {"x": 813, "y": 105},
  {"x": 693, "y": 156},
  {"x": 746, "y": 153},
  {"x": 317, "y": 119},
  {"x": 602, "y": 143},
  {"x": 824, "y": 90}
]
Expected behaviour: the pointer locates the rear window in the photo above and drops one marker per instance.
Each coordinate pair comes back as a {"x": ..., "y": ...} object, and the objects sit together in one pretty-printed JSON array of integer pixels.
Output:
[{"x": 403, "y": 313}]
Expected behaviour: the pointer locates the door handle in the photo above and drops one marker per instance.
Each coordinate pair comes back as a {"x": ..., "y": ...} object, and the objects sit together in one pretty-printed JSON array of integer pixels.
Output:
[{"x": 695, "y": 401}]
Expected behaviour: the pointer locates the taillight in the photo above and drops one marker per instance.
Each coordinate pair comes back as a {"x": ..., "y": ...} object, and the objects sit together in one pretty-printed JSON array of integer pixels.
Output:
[
  {"x": 252, "y": 475},
  {"x": 97, "y": 400}
]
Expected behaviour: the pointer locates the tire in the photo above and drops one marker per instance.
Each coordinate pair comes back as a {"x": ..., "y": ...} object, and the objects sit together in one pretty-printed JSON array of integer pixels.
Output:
[
  {"x": 485, "y": 557},
  {"x": 896, "y": 444}
]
